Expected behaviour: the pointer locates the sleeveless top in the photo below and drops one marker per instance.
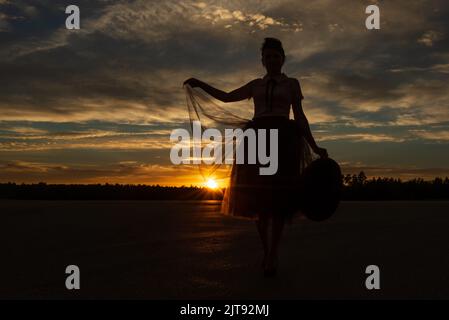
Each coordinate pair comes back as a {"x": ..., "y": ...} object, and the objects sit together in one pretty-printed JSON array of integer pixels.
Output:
[{"x": 273, "y": 95}]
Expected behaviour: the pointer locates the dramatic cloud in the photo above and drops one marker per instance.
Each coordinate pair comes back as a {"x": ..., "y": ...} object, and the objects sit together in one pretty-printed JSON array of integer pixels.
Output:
[{"x": 116, "y": 84}]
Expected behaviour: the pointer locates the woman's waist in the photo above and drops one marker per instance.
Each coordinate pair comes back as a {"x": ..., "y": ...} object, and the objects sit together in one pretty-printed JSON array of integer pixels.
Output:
[
  {"x": 274, "y": 122},
  {"x": 270, "y": 120}
]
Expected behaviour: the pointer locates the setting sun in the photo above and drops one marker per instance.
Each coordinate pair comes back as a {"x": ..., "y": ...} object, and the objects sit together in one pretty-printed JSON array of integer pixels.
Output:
[{"x": 211, "y": 184}]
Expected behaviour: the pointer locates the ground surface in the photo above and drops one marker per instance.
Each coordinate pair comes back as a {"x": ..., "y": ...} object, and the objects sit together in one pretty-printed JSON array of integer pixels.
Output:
[{"x": 186, "y": 250}]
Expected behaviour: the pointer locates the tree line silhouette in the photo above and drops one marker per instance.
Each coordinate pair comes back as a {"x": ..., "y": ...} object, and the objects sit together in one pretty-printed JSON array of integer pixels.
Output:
[
  {"x": 358, "y": 187},
  {"x": 355, "y": 187},
  {"x": 44, "y": 191}
]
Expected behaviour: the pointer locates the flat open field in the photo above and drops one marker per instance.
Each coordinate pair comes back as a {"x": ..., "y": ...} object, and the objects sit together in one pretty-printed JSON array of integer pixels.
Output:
[{"x": 187, "y": 250}]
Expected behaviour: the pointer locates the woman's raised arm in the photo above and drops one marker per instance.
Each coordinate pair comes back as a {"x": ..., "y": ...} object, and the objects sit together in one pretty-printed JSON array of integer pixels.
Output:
[{"x": 241, "y": 93}]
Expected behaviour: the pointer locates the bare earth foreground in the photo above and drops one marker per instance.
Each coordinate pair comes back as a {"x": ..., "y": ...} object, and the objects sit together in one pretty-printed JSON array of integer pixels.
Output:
[{"x": 187, "y": 250}]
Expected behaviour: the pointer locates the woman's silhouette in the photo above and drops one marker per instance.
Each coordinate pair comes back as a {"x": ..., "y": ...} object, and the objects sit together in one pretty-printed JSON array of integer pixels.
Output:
[{"x": 270, "y": 197}]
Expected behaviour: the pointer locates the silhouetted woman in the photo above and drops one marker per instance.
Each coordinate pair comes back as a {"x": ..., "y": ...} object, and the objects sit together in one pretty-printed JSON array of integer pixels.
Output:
[{"x": 269, "y": 197}]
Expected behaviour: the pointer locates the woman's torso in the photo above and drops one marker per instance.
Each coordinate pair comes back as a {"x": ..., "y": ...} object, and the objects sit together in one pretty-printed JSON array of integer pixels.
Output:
[{"x": 272, "y": 99}]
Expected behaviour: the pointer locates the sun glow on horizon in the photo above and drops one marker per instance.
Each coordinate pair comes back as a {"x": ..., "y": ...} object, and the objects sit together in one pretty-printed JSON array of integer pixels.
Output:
[{"x": 212, "y": 184}]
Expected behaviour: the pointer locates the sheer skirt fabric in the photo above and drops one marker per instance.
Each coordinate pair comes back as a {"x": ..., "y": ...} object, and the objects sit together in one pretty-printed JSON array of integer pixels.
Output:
[{"x": 250, "y": 194}]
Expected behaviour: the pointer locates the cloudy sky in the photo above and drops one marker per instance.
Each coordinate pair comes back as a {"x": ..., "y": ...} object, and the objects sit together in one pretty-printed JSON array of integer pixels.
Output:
[{"x": 98, "y": 104}]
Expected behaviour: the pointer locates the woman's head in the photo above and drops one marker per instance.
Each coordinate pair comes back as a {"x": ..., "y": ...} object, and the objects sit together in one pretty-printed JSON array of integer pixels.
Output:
[{"x": 273, "y": 55}]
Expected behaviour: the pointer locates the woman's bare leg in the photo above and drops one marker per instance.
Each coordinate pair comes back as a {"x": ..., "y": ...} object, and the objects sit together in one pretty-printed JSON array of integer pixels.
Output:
[
  {"x": 277, "y": 228},
  {"x": 262, "y": 227}
]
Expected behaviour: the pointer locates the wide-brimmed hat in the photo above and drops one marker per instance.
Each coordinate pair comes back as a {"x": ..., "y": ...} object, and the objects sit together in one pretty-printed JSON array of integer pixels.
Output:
[{"x": 320, "y": 189}]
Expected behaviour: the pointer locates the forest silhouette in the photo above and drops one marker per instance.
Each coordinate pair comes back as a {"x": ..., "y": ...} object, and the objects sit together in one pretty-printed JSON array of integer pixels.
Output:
[{"x": 356, "y": 187}]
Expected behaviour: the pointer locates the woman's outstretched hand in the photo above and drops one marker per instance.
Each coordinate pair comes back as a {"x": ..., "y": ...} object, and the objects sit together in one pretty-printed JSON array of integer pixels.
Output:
[
  {"x": 193, "y": 82},
  {"x": 321, "y": 152}
]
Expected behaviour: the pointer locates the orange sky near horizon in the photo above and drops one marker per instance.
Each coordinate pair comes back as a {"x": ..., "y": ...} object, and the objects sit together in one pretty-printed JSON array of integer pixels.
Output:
[{"x": 97, "y": 105}]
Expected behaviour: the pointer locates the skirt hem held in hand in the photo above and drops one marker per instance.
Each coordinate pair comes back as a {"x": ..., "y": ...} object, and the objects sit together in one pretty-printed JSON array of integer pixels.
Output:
[{"x": 250, "y": 194}]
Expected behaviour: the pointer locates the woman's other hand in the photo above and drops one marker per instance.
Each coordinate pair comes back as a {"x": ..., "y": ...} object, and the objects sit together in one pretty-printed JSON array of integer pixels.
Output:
[
  {"x": 321, "y": 152},
  {"x": 193, "y": 82}
]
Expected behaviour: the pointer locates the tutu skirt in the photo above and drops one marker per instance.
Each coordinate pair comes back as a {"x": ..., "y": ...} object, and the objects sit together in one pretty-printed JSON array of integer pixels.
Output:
[{"x": 251, "y": 194}]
